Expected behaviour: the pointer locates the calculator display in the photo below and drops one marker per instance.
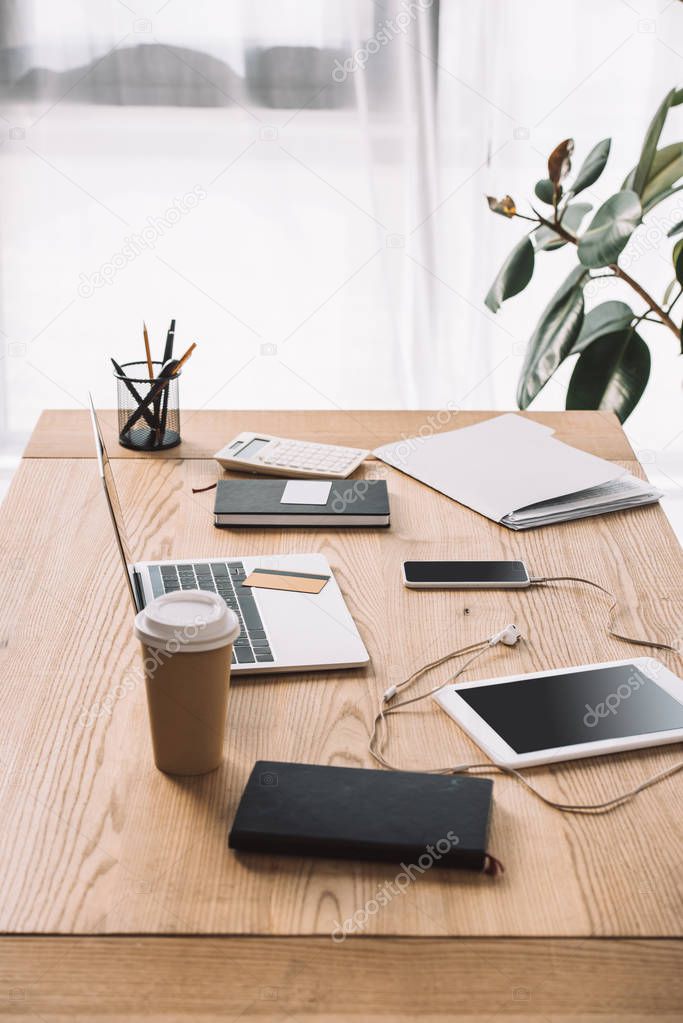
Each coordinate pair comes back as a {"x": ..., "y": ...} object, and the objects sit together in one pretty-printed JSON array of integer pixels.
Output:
[{"x": 252, "y": 448}]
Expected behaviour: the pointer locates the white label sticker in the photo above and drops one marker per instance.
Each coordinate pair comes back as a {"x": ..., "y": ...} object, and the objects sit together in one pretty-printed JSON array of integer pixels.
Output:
[{"x": 306, "y": 492}]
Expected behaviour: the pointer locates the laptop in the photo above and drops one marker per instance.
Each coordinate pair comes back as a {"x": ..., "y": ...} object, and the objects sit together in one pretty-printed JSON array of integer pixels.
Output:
[{"x": 280, "y": 630}]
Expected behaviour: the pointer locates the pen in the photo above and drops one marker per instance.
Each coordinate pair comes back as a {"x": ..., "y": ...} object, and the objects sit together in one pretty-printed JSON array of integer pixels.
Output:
[
  {"x": 171, "y": 369},
  {"x": 168, "y": 353},
  {"x": 168, "y": 350},
  {"x": 150, "y": 369},
  {"x": 133, "y": 392}
]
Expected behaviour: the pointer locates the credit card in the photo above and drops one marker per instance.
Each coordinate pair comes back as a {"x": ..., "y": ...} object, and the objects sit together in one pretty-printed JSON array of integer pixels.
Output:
[{"x": 297, "y": 582}]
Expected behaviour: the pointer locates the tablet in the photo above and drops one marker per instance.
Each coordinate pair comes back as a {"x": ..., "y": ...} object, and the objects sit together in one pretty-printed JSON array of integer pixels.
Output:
[{"x": 567, "y": 713}]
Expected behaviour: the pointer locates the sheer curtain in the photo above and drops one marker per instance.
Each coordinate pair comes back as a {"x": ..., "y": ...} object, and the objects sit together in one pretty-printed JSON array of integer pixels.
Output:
[
  {"x": 510, "y": 88},
  {"x": 514, "y": 80},
  {"x": 253, "y": 170},
  {"x": 302, "y": 186}
]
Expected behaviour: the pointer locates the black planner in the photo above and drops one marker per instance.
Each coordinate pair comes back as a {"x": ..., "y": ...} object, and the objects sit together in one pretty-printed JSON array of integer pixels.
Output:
[{"x": 353, "y": 813}]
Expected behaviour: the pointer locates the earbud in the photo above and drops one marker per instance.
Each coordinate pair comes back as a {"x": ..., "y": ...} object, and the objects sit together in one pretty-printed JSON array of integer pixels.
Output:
[{"x": 510, "y": 635}]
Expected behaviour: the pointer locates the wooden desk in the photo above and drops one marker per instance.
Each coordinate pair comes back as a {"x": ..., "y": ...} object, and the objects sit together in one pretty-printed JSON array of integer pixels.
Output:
[{"x": 118, "y": 895}]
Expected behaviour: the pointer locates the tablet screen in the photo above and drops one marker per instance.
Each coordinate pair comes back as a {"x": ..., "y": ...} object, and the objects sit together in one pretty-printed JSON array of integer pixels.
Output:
[{"x": 532, "y": 714}]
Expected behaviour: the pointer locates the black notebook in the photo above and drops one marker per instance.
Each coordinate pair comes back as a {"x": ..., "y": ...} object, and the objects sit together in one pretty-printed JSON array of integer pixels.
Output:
[
  {"x": 353, "y": 813},
  {"x": 259, "y": 503}
]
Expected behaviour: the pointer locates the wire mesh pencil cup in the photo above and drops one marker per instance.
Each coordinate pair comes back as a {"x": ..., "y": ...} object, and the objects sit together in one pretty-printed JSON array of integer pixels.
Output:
[{"x": 146, "y": 425}]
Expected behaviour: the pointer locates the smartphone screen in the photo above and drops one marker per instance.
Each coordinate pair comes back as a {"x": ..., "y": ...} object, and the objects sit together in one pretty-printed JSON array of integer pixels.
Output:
[{"x": 485, "y": 573}]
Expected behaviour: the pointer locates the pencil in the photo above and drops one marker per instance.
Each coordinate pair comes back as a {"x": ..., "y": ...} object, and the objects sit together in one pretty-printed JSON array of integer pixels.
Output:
[
  {"x": 184, "y": 358},
  {"x": 150, "y": 367}
]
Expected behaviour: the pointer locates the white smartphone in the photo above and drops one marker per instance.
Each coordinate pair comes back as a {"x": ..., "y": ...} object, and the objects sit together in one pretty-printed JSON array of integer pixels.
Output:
[
  {"x": 568, "y": 713},
  {"x": 465, "y": 575}
]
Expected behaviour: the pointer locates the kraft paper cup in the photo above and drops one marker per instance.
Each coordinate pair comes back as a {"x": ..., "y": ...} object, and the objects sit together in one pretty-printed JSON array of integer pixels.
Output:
[{"x": 186, "y": 640}]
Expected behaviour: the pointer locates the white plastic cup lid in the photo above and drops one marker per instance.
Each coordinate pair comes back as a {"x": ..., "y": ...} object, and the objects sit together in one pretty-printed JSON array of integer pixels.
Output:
[{"x": 191, "y": 621}]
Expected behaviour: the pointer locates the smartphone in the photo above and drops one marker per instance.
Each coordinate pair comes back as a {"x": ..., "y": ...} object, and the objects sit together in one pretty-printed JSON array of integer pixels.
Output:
[{"x": 464, "y": 575}]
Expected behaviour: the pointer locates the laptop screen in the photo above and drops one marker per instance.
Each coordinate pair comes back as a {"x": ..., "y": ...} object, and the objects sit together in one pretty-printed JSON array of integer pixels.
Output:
[{"x": 113, "y": 502}]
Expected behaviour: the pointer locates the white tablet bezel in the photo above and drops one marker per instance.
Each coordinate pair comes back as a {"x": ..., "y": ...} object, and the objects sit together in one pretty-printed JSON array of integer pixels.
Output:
[{"x": 501, "y": 753}]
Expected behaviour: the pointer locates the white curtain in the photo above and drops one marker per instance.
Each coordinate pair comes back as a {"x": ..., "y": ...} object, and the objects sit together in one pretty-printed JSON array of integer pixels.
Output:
[
  {"x": 515, "y": 79},
  {"x": 302, "y": 186},
  {"x": 253, "y": 170}
]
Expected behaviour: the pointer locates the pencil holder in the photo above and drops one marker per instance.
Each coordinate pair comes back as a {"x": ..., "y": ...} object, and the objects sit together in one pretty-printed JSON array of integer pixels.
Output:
[{"x": 147, "y": 423}]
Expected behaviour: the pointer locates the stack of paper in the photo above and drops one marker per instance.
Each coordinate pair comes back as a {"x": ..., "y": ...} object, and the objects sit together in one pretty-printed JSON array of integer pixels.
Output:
[
  {"x": 515, "y": 472},
  {"x": 625, "y": 492}
]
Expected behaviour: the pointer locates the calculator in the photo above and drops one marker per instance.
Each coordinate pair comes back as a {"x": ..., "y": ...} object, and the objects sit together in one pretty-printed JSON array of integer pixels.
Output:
[{"x": 281, "y": 456}]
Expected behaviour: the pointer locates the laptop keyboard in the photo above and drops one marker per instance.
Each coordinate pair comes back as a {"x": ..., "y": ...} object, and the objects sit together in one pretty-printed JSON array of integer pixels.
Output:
[{"x": 224, "y": 577}]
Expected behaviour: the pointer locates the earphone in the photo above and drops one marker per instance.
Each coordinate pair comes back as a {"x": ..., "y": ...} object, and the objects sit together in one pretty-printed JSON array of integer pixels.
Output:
[{"x": 509, "y": 636}]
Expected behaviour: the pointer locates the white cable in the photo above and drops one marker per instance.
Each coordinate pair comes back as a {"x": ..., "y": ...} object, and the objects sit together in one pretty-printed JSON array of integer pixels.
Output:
[
  {"x": 544, "y": 580},
  {"x": 377, "y": 742}
]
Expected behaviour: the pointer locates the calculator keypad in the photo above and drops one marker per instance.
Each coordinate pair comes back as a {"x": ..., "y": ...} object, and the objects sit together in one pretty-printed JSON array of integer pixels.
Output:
[
  {"x": 310, "y": 457},
  {"x": 280, "y": 456}
]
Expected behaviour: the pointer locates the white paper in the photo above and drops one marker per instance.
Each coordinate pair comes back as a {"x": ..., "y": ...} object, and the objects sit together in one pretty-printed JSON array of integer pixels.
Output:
[
  {"x": 626, "y": 492},
  {"x": 306, "y": 492},
  {"x": 500, "y": 465}
]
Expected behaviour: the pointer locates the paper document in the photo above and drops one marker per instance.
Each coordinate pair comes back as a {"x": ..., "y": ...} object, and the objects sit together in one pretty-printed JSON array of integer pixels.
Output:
[
  {"x": 626, "y": 492},
  {"x": 505, "y": 464}
]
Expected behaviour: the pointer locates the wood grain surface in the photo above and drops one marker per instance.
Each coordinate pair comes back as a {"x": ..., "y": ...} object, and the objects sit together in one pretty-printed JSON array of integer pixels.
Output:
[
  {"x": 312, "y": 980},
  {"x": 67, "y": 434},
  {"x": 96, "y": 841}
]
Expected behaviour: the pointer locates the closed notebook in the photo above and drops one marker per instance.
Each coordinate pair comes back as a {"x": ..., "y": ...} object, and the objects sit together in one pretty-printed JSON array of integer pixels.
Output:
[
  {"x": 353, "y": 813},
  {"x": 260, "y": 502}
]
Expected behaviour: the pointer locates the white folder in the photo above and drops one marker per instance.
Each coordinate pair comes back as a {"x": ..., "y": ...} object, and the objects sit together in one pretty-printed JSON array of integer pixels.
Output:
[{"x": 502, "y": 465}]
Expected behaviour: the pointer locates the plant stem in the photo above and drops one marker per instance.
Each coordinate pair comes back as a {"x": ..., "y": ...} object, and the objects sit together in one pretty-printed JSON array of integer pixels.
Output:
[
  {"x": 652, "y": 319},
  {"x": 664, "y": 317},
  {"x": 675, "y": 300},
  {"x": 618, "y": 272}
]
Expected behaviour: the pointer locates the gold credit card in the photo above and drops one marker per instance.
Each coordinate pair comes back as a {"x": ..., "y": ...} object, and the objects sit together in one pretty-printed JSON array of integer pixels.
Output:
[{"x": 297, "y": 582}]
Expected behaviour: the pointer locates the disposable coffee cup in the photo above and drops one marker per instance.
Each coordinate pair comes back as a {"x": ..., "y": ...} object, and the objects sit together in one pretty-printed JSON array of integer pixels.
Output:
[{"x": 187, "y": 639}]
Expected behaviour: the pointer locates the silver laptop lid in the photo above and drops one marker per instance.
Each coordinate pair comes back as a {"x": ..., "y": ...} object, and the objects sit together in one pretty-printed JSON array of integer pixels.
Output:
[{"x": 114, "y": 505}]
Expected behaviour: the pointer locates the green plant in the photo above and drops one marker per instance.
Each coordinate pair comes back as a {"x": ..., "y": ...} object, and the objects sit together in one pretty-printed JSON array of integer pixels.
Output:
[{"x": 613, "y": 366}]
